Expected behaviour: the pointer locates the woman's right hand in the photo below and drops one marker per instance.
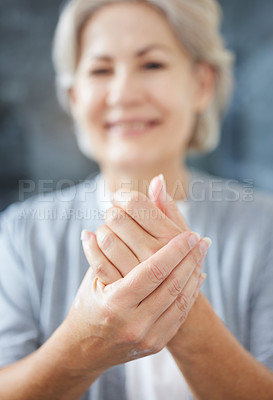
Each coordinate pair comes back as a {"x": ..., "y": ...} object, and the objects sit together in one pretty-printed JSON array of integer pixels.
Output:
[{"x": 138, "y": 314}]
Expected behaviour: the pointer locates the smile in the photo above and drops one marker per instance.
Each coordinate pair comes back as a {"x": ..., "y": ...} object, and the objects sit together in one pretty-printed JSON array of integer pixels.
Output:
[{"x": 131, "y": 128}]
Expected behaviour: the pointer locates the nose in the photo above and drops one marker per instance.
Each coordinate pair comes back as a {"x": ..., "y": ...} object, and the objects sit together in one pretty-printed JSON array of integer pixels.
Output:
[{"x": 124, "y": 88}]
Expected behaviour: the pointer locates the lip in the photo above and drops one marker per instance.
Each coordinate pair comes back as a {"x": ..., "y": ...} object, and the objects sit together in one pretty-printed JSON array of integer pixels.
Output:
[{"x": 115, "y": 127}]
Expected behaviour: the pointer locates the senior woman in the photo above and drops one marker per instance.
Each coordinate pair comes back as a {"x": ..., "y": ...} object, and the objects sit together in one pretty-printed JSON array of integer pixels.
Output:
[{"x": 145, "y": 82}]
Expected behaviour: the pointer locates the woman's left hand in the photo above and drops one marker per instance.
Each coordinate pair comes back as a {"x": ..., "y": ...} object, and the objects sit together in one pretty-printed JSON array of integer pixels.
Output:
[{"x": 136, "y": 228}]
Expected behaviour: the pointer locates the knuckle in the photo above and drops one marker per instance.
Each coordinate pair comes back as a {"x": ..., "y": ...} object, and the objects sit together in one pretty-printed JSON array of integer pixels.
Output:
[
  {"x": 183, "y": 317},
  {"x": 183, "y": 303},
  {"x": 156, "y": 272},
  {"x": 98, "y": 269},
  {"x": 174, "y": 287},
  {"x": 194, "y": 297},
  {"x": 197, "y": 271},
  {"x": 132, "y": 335}
]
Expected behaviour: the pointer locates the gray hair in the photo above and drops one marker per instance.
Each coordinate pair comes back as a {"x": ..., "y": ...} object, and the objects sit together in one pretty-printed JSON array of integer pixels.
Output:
[{"x": 196, "y": 23}]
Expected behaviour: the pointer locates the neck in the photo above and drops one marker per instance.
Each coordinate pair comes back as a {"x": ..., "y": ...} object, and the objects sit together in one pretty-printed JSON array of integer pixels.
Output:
[{"x": 175, "y": 174}]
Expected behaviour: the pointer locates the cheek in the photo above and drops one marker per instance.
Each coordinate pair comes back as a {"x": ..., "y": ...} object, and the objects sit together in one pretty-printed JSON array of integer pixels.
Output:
[
  {"x": 90, "y": 99},
  {"x": 89, "y": 118},
  {"x": 177, "y": 100},
  {"x": 173, "y": 96},
  {"x": 181, "y": 102}
]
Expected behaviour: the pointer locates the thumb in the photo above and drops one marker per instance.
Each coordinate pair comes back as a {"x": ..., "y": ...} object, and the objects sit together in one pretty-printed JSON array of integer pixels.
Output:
[{"x": 159, "y": 196}]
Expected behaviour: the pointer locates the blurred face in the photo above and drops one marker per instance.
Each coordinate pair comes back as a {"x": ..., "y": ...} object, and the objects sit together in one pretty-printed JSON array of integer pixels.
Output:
[{"x": 136, "y": 92}]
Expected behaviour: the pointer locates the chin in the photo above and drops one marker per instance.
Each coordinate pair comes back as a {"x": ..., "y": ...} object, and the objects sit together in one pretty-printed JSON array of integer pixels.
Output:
[{"x": 133, "y": 160}]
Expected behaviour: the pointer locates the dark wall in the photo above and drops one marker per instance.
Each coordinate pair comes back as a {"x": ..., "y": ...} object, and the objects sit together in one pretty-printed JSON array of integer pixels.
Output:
[
  {"x": 36, "y": 137},
  {"x": 246, "y": 149}
]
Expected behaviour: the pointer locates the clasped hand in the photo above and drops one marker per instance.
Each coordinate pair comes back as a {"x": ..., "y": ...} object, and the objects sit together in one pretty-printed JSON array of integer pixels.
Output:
[{"x": 143, "y": 279}]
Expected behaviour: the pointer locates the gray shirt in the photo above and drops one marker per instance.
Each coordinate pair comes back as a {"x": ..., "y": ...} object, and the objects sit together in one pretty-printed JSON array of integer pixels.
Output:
[{"x": 42, "y": 265}]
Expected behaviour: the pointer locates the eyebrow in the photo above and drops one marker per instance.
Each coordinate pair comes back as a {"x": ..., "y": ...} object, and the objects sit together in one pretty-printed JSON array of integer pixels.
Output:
[{"x": 138, "y": 54}]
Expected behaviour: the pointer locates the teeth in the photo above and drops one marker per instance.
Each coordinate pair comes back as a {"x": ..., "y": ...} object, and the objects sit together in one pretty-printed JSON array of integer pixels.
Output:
[{"x": 131, "y": 125}]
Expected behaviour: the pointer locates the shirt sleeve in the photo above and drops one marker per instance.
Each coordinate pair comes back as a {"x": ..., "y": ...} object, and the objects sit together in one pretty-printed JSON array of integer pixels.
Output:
[
  {"x": 261, "y": 305},
  {"x": 18, "y": 328}
]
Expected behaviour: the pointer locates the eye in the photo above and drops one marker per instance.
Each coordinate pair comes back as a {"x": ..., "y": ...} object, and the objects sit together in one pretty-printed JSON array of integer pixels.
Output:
[
  {"x": 153, "y": 65},
  {"x": 100, "y": 71}
]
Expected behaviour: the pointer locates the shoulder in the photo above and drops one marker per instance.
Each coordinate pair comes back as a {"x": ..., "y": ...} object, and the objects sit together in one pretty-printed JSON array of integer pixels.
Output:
[
  {"x": 47, "y": 215},
  {"x": 228, "y": 198},
  {"x": 231, "y": 213}
]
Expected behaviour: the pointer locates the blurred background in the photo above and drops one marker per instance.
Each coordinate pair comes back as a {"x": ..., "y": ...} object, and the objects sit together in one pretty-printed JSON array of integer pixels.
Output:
[{"x": 36, "y": 137}]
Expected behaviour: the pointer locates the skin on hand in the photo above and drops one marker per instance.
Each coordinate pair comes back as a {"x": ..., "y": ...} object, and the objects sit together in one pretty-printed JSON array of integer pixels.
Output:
[
  {"x": 203, "y": 343},
  {"x": 137, "y": 315},
  {"x": 143, "y": 296},
  {"x": 135, "y": 229}
]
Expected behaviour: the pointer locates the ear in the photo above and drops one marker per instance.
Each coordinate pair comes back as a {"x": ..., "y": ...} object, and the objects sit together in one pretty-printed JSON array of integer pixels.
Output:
[{"x": 206, "y": 77}]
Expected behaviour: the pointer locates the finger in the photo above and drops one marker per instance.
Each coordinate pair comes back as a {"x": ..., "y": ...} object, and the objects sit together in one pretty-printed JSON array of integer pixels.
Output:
[
  {"x": 158, "y": 194},
  {"x": 147, "y": 276},
  {"x": 100, "y": 265},
  {"x": 202, "y": 278},
  {"x": 141, "y": 243},
  {"x": 146, "y": 214},
  {"x": 115, "y": 250},
  {"x": 181, "y": 280},
  {"x": 167, "y": 325}
]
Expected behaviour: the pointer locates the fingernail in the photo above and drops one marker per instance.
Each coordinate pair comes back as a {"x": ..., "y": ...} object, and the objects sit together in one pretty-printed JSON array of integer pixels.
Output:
[
  {"x": 193, "y": 239},
  {"x": 163, "y": 192},
  {"x": 157, "y": 191},
  {"x": 153, "y": 189},
  {"x": 85, "y": 235},
  {"x": 165, "y": 195},
  {"x": 205, "y": 244},
  {"x": 202, "y": 278}
]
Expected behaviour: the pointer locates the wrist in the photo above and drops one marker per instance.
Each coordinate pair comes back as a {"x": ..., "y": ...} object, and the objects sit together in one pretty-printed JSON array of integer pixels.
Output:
[{"x": 71, "y": 357}]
